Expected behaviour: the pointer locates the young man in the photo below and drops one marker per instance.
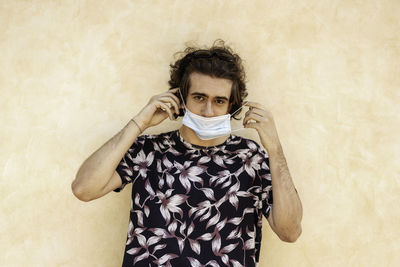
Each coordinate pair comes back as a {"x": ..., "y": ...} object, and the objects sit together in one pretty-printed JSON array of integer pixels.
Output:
[{"x": 199, "y": 192}]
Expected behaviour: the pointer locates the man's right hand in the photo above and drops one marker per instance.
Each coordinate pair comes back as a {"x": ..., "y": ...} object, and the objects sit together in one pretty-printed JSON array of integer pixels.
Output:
[{"x": 158, "y": 109}]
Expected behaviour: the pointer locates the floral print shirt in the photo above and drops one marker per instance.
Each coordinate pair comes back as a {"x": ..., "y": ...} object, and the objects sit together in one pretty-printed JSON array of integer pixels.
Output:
[{"x": 195, "y": 206}]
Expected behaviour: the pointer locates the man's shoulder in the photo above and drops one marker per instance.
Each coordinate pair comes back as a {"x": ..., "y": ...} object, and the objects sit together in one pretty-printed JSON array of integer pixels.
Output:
[
  {"x": 236, "y": 139},
  {"x": 160, "y": 138},
  {"x": 247, "y": 144}
]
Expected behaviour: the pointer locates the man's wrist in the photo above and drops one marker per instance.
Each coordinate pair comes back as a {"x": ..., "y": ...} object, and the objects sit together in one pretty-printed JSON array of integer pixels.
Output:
[
  {"x": 274, "y": 148},
  {"x": 137, "y": 124}
]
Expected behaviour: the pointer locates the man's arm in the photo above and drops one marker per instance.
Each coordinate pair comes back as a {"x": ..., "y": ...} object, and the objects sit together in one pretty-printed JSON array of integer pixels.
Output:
[
  {"x": 97, "y": 176},
  {"x": 287, "y": 212}
]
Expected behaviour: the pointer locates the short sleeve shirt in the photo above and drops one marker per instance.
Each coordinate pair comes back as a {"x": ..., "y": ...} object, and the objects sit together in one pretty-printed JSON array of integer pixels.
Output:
[{"x": 195, "y": 206}]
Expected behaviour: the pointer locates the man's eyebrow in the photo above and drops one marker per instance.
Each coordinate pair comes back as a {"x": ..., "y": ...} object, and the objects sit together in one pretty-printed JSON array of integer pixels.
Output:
[
  {"x": 200, "y": 94},
  {"x": 204, "y": 95}
]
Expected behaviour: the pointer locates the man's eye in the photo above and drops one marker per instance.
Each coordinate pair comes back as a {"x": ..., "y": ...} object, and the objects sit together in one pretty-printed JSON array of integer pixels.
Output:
[
  {"x": 198, "y": 98},
  {"x": 220, "y": 102}
]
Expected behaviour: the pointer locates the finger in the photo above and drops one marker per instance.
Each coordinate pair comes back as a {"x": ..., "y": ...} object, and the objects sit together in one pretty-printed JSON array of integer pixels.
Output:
[
  {"x": 164, "y": 107},
  {"x": 253, "y": 125},
  {"x": 175, "y": 97},
  {"x": 255, "y": 111},
  {"x": 170, "y": 101},
  {"x": 174, "y": 92},
  {"x": 252, "y": 105},
  {"x": 255, "y": 117}
]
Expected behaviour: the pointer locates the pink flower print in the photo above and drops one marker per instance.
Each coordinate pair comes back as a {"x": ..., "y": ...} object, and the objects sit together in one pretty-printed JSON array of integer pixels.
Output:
[
  {"x": 252, "y": 147},
  {"x": 232, "y": 195},
  {"x": 167, "y": 163},
  {"x": 135, "y": 232},
  {"x": 266, "y": 191},
  {"x": 247, "y": 152},
  {"x": 149, "y": 189},
  {"x": 222, "y": 252},
  {"x": 250, "y": 243},
  {"x": 219, "y": 160},
  {"x": 189, "y": 174},
  {"x": 169, "y": 166},
  {"x": 142, "y": 162},
  {"x": 264, "y": 166},
  {"x": 252, "y": 164},
  {"x": 220, "y": 178},
  {"x": 145, "y": 244},
  {"x": 165, "y": 259},
  {"x": 170, "y": 204}
]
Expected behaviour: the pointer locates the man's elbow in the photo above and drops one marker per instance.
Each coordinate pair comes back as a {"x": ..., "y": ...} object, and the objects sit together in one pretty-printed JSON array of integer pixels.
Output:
[
  {"x": 291, "y": 236},
  {"x": 79, "y": 192}
]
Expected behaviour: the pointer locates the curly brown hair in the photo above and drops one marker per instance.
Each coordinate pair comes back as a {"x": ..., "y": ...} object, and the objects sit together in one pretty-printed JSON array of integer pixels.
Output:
[{"x": 218, "y": 61}]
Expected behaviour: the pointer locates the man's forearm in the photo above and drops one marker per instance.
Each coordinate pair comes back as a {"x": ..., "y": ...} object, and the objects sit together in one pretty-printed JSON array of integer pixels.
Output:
[
  {"x": 96, "y": 171},
  {"x": 287, "y": 210}
]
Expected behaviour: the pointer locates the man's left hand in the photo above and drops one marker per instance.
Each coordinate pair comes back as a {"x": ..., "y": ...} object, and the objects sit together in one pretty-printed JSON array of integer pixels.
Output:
[{"x": 259, "y": 118}]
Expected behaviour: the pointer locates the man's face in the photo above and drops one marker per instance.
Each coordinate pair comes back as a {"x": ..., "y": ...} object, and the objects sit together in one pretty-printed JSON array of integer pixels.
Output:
[{"x": 208, "y": 96}]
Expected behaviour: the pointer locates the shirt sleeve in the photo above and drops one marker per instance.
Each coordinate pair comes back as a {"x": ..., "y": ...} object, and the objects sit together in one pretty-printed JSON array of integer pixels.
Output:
[
  {"x": 266, "y": 185},
  {"x": 127, "y": 167}
]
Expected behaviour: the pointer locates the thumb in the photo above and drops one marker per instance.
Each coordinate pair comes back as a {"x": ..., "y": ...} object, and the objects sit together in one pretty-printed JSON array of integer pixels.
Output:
[{"x": 251, "y": 125}]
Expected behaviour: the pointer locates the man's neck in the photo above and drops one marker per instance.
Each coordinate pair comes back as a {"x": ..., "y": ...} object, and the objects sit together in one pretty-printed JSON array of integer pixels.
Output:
[{"x": 191, "y": 137}]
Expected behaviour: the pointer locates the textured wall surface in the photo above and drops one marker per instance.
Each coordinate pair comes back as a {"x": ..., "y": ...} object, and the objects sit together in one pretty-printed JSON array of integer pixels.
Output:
[{"x": 72, "y": 73}]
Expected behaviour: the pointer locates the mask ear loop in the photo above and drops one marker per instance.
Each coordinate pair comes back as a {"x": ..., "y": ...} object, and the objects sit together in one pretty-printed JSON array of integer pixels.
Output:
[
  {"x": 179, "y": 89},
  {"x": 240, "y": 108},
  {"x": 237, "y": 111}
]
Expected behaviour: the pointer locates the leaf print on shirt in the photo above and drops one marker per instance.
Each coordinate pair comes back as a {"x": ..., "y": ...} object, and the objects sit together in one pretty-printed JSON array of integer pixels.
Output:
[
  {"x": 170, "y": 204},
  {"x": 165, "y": 259},
  {"x": 222, "y": 252},
  {"x": 196, "y": 263},
  {"x": 142, "y": 162},
  {"x": 188, "y": 174},
  {"x": 208, "y": 192},
  {"x": 147, "y": 244},
  {"x": 195, "y": 207},
  {"x": 250, "y": 243},
  {"x": 200, "y": 209},
  {"x": 195, "y": 245},
  {"x": 232, "y": 195},
  {"x": 235, "y": 263},
  {"x": 221, "y": 159},
  {"x": 216, "y": 244},
  {"x": 220, "y": 178},
  {"x": 168, "y": 168},
  {"x": 149, "y": 189},
  {"x": 135, "y": 233},
  {"x": 252, "y": 164}
]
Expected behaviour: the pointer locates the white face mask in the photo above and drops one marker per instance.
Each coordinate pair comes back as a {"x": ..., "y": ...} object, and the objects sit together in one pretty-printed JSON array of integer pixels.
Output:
[{"x": 208, "y": 128}]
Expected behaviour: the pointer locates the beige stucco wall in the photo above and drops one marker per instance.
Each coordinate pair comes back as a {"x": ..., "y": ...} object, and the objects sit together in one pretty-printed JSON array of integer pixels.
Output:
[{"x": 72, "y": 73}]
